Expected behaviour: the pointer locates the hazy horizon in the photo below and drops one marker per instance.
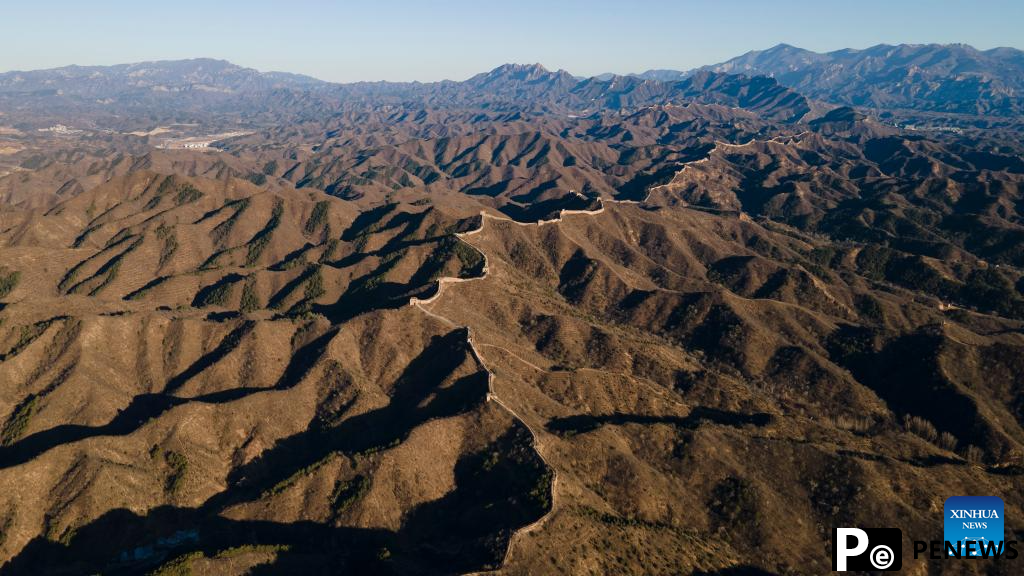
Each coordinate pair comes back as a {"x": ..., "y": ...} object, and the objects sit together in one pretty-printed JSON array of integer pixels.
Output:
[
  {"x": 487, "y": 68},
  {"x": 397, "y": 40}
]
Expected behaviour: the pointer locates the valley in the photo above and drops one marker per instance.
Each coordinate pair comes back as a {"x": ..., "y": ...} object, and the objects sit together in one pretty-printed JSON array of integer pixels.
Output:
[{"x": 522, "y": 324}]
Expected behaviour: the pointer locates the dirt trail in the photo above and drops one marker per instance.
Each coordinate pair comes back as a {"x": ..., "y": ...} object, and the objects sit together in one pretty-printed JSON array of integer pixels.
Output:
[{"x": 516, "y": 356}]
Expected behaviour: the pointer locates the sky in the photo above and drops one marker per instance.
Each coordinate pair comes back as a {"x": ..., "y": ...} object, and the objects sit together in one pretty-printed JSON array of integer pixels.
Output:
[{"x": 429, "y": 40}]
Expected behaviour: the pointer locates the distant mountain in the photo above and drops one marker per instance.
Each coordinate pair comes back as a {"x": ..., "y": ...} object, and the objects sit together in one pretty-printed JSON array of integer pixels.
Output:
[
  {"x": 521, "y": 80},
  {"x": 172, "y": 76},
  {"x": 118, "y": 97},
  {"x": 953, "y": 78},
  {"x": 215, "y": 90},
  {"x": 758, "y": 93},
  {"x": 761, "y": 94},
  {"x": 775, "y": 61},
  {"x": 662, "y": 75}
]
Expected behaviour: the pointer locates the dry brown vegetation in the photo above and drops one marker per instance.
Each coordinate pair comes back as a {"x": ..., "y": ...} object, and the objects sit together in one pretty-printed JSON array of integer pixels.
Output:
[{"x": 707, "y": 356}]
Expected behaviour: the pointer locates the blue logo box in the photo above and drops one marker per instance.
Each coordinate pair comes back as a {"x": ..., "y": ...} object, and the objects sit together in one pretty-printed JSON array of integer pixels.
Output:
[{"x": 974, "y": 519}]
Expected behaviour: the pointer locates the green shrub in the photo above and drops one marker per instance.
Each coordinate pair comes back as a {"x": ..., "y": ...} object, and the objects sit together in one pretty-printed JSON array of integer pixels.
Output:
[
  {"x": 261, "y": 240},
  {"x": 18, "y": 422},
  {"x": 734, "y": 503},
  {"x": 235, "y": 551},
  {"x": 5, "y": 529},
  {"x": 118, "y": 238},
  {"x": 187, "y": 194},
  {"x": 109, "y": 270},
  {"x": 869, "y": 307},
  {"x": 470, "y": 258},
  {"x": 330, "y": 250},
  {"x": 28, "y": 335},
  {"x": 179, "y": 566},
  {"x": 216, "y": 294},
  {"x": 823, "y": 256},
  {"x": 178, "y": 465},
  {"x": 540, "y": 494},
  {"x": 250, "y": 301},
  {"x": 8, "y": 281},
  {"x": 221, "y": 231},
  {"x": 315, "y": 284},
  {"x": 112, "y": 272},
  {"x": 990, "y": 290},
  {"x": 873, "y": 261},
  {"x": 170, "y": 243},
  {"x": 346, "y": 494},
  {"x": 71, "y": 276},
  {"x": 318, "y": 217},
  {"x": 298, "y": 475}
]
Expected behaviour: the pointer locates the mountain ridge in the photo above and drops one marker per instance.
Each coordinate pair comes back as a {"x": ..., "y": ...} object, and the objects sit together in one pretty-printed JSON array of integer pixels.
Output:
[
  {"x": 524, "y": 323},
  {"x": 954, "y": 78},
  {"x": 926, "y": 78},
  {"x": 205, "y": 87}
]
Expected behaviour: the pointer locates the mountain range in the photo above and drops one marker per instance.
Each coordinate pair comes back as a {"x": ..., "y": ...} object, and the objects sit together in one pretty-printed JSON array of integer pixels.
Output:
[
  {"x": 953, "y": 78},
  {"x": 207, "y": 87},
  {"x": 524, "y": 323}
]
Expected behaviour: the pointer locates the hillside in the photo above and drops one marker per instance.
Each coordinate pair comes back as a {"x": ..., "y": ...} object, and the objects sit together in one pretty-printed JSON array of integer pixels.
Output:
[{"x": 521, "y": 324}]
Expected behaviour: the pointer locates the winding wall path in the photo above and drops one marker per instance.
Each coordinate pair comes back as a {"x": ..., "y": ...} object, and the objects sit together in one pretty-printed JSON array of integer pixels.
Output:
[{"x": 492, "y": 396}]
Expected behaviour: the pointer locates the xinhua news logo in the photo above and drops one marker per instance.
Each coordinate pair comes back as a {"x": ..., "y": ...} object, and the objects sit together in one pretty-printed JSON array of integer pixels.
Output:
[
  {"x": 973, "y": 529},
  {"x": 867, "y": 549},
  {"x": 973, "y": 525}
]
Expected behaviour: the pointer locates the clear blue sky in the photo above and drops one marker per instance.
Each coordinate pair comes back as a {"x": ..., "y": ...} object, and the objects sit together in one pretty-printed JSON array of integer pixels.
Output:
[{"x": 435, "y": 39}]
